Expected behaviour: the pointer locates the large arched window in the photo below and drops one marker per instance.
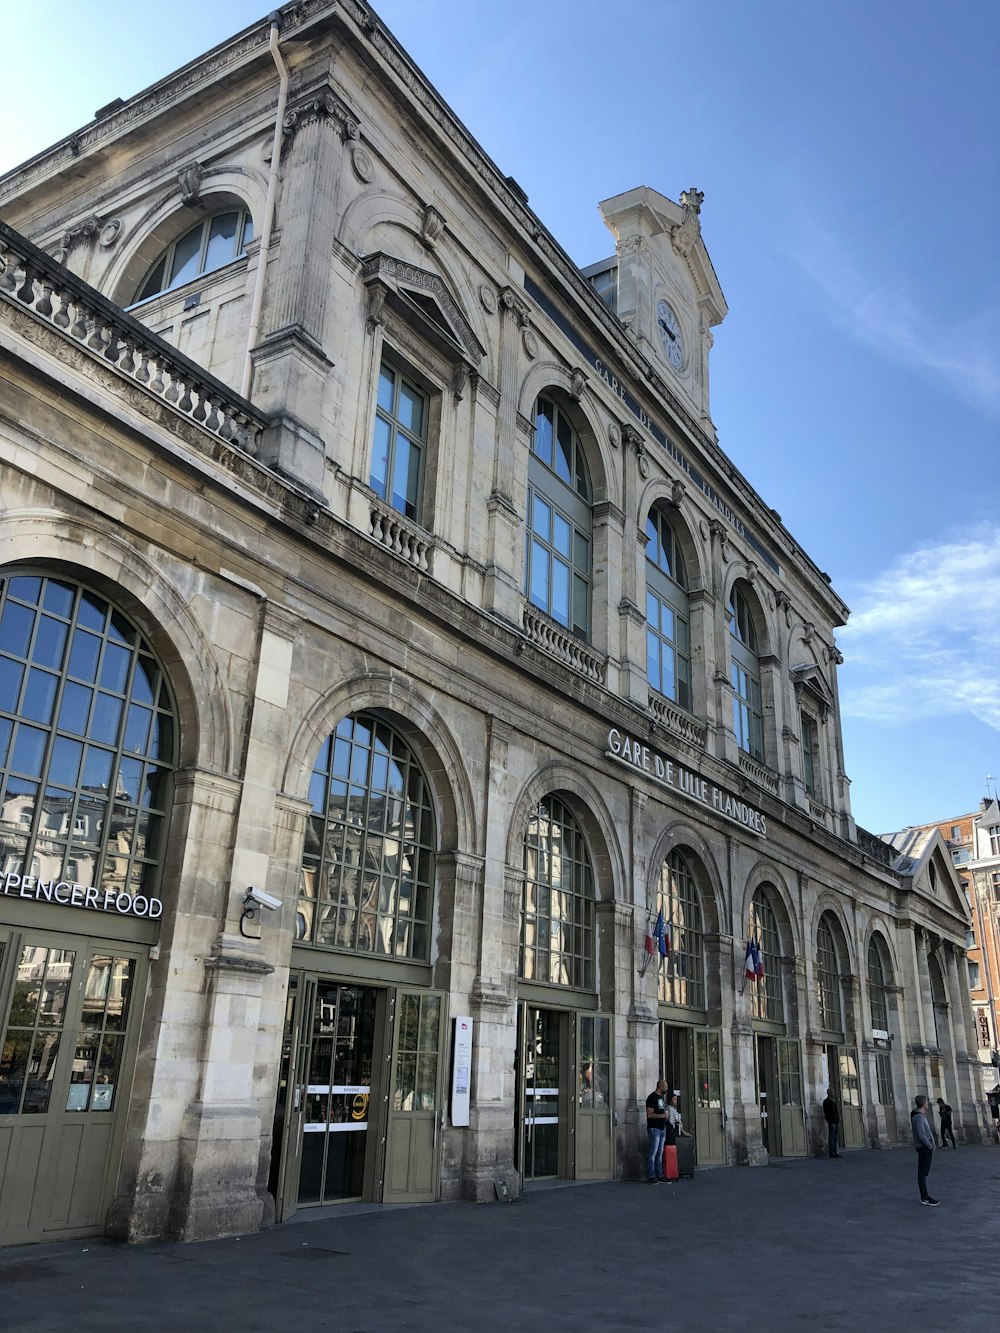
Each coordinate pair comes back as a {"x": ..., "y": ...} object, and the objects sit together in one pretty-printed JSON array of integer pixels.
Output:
[
  {"x": 748, "y": 716},
  {"x": 668, "y": 637},
  {"x": 368, "y": 862},
  {"x": 766, "y": 994},
  {"x": 558, "y": 556},
  {"x": 557, "y": 916},
  {"x": 682, "y": 974},
  {"x": 87, "y": 739},
  {"x": 831, "y": 1008},
  {"x": 211, "y": 243}
]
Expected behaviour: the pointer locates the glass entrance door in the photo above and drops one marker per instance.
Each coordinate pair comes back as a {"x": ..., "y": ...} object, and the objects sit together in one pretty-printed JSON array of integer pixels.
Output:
[
  {"x": 710, "y": 1118},
  {"x": 335, "y": 1095},
  {"x": 767, "y": 1100},
  {"x": 69, "y": 1041},
  {"x": 543, "y": 1096}
]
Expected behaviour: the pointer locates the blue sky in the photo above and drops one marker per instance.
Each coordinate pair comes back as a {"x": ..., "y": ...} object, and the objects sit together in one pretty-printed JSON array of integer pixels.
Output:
[{"x": 849, "y": 158}]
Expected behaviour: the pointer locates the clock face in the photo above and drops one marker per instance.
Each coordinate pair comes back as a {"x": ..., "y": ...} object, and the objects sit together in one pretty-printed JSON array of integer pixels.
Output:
[{"x": 670, "y": 334}]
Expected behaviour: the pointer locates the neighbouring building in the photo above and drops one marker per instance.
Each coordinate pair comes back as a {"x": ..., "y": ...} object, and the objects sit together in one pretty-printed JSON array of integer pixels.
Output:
[
  {"x": 974, "y": 844},
  {"x": 385, "y": 640}
]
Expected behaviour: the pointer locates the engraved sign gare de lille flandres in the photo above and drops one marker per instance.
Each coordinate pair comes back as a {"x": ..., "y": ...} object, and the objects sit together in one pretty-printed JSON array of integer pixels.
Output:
[{"x": 628, "y": 750}]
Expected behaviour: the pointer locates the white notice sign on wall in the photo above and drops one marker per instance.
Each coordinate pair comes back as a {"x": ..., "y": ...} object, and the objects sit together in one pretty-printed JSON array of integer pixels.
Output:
[{"x": 461, "y": 1071}]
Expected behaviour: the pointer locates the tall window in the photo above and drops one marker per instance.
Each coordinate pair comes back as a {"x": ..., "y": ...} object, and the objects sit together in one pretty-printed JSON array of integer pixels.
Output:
[
  {"x": 995, "y": 840},
  {"x": 207, "y": 246},
  {"x": 766, "y": 998},
  {"x": 560, "y": 522},
  {"x": 810, "y": 750},
  {"x": 682, "y": 975},
  {"x": 86, "y": 739},
  {"x": 831, "y": 1011},
  {"x": 668, "y": 647},
  {"x": 748, "y": 717},
  {"x": 400, "y": 442},
  {"x": 557, "y": 916},
  {"x": 368, "y": 863},
  {"x": 877, "y": 988}
]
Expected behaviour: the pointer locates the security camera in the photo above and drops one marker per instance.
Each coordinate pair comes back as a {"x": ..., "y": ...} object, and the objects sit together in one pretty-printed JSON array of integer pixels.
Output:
[{"x": 258, "y": 898}]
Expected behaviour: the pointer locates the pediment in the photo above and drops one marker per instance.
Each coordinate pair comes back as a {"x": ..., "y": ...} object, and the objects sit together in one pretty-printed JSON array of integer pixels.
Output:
[
  {"x": 922, "y": 859},
  {"x": 424, "y": 299},
  {"x": 810, "y": 684}
]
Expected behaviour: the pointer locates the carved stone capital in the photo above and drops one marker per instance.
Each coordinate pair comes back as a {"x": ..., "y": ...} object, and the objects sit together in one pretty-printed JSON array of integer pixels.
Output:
[
  {"x": 324, "y": 106},
  {"x": 512, "y": 304}
]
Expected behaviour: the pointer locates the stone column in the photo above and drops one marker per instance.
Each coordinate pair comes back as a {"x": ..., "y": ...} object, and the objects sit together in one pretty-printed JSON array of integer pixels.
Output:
[
  {"x": 920, "y": 1024},
  {"x": 290, "y": 363},
  {"x": 632, "y": 601},
  {"x": 966, "y": 1098},
  {"x": 506, "y": 502}
]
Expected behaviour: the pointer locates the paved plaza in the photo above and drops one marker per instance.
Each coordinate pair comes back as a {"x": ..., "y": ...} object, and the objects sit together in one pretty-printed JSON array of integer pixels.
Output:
[{"x": 812, "y": 1245}]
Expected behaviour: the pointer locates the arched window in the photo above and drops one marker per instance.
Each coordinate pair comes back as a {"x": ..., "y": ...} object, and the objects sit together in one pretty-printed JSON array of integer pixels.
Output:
[
  {"x": 831, "y": 1009},
  {"x": 87, "y": 739},
  {"x": 668, "y": 640},
  {"x": 211, "y": 243},
  {"x": 748, "y": 716},
  {"x": 766, "y": 995},
  {"x": 368, "y": 862},
  {"x": 557, "y": 915},
  {"x": 682, "y": 973},
  {"x": 877, "y": 987},
  {"x": 939, "y": 999},
  {"x": 558, "y": 559}
]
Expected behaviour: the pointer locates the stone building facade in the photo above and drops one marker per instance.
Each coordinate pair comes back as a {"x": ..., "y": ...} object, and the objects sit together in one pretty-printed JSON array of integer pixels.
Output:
[{"x": 386, "y": 641}]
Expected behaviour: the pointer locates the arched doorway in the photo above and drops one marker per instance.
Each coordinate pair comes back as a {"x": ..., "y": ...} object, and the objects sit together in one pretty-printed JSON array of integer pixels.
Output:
[
  {"x": 87, "y": 749},
  {"x": 777, "y": 1053},
  {"x": 840, "y": 1054}
]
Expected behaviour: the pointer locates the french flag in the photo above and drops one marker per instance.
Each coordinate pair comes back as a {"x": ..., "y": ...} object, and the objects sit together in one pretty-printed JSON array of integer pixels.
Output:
[
  {"x": 754, "y": 961},
  {"x": 650, "y": 942},
  {"x": 662, "y": 934}
]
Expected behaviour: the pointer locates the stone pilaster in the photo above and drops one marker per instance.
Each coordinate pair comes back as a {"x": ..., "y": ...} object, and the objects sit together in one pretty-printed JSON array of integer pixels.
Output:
[{"x": 505, "y": 506}]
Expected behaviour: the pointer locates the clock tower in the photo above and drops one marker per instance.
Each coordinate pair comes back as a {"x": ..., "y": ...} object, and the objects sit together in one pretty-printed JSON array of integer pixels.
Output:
[{"x": 667, "y": 293}]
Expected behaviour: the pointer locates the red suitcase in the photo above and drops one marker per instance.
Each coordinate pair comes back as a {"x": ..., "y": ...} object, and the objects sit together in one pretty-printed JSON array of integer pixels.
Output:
[{"x": 670, "y": 1161}]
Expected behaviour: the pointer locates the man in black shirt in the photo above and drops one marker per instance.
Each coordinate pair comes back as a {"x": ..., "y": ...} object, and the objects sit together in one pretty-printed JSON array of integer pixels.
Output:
[
  {"x": 831, "y": 1114},
  {"x": 656, "y": 1127},
  {"x": 944, "y": 1111}
]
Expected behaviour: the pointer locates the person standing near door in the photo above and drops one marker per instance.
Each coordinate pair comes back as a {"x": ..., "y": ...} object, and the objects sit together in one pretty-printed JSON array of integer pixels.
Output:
[
  {"x": 656, "y": 1128},
  {"x": 944, "y": 1111},
  {"x": 831, "y": 1114},
  {"x": 923, "y": 1141}
]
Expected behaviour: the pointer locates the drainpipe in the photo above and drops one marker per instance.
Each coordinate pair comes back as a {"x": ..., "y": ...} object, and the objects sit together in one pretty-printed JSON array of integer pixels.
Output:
[{"x": 272, "y": 190}]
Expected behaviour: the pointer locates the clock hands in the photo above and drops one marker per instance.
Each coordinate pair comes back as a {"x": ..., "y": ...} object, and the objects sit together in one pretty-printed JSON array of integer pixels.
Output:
[{"x": 667, "y": 329}]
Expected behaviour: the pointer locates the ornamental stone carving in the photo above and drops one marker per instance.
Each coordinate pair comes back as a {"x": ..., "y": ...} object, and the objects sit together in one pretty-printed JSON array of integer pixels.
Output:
[
  {"x": 83, "y": 231},
  {"x": 431, "y": 226},
  {"x": 189, "y": 179},
  {"x": 677, "y": 493},
  {"x": 529, "y": 342},
  {"x": 687, "y": 232},
  {"x": 323, "y": 106},
  {"x": 614, "y": 436},
  {"x": 364, "y": 167},
  {"x": 578, "y": 382},
  {"x": 488, "y": 297}
]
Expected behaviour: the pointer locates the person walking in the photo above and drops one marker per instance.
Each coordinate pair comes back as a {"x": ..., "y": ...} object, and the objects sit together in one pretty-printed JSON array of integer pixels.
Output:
[
  {"x": 656, "y": 1128},
  {"x": 831, "y": 1114},
  {"x": 923, "y": 1141},
  {"x": 944, "y": 1111}
]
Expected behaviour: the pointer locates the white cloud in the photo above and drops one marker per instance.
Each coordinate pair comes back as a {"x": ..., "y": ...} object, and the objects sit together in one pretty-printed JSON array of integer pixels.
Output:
[
  {"x": 924, "y": 639},
  {"x": 888, "y": 320}
]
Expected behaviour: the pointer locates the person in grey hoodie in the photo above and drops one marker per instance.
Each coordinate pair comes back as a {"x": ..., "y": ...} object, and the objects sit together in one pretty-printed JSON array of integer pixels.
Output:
[{"x": 923, "y": 1141}]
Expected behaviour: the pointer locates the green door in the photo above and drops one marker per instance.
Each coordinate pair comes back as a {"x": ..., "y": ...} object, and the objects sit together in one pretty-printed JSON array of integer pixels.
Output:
[
  {"x": 415, "y": 1098},
  {"x": 71, "y": 1021},
  {"x": 851, "y": 1123},
  {"x": 595, "y": 1154},
  {"x": 710, "y": 1118},
  {"x": 792, "y": 1110},
  {"x": 289, "y": 1111}
]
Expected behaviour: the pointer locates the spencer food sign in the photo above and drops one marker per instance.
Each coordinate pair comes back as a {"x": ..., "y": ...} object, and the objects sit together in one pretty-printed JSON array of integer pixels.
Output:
[{"x": 67, "y": 893}]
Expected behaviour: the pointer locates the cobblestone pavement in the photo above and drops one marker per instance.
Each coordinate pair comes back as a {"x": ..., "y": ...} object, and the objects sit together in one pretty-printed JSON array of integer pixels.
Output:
[{"x": 817, "y": 1244}]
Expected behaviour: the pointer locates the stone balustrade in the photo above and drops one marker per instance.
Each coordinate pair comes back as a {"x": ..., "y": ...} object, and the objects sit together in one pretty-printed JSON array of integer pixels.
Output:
[
  {"x": 874, "y": 848},
  {"x": 759, "y": 775},
  {"x": 563, "y": 646},
  {"x": 675, "y": 721},
  {"x": 33, "y": 280},
  {"x": 390, "y": 529}
]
